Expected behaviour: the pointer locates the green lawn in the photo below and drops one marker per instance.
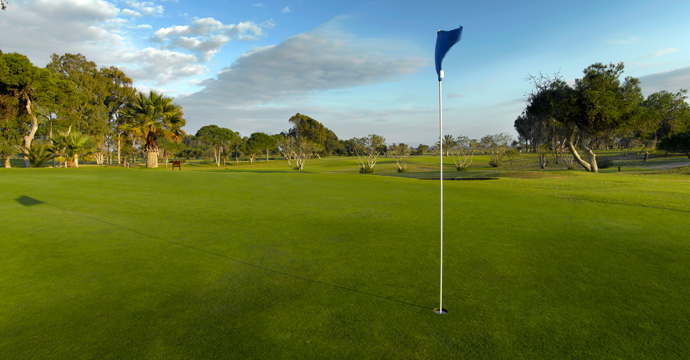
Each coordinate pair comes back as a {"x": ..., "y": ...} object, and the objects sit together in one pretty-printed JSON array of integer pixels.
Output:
[{"x": 264, "y": 262}]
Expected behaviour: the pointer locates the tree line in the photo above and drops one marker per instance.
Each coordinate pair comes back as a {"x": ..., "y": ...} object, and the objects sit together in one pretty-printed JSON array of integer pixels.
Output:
[
  {"x": 73, "y": 109},
  {"x": 601, "y": 111}
]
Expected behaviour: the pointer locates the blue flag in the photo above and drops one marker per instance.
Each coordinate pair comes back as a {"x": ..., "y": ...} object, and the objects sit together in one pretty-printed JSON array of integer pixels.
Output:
[{"x": 444, "y": 41}]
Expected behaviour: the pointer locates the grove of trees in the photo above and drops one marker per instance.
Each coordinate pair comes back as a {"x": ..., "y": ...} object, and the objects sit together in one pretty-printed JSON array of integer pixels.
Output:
[{"x": 601, "y": 111}]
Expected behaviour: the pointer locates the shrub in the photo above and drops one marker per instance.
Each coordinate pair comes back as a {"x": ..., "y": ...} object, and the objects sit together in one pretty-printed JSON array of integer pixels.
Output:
[
  {"x": 462, "y": 168},
  {"x": 604, "y": 162}
]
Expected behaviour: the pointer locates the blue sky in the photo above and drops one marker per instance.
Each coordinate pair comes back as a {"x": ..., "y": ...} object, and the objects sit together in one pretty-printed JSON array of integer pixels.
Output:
[{"x": 359, "y": 67}]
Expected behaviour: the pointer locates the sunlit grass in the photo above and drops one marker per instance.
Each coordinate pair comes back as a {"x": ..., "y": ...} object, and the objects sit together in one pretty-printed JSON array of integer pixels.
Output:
[{"x": 264, "y": 262}]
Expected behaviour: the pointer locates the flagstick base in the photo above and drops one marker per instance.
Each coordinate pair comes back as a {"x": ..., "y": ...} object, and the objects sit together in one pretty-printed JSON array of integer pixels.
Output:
[{"x": 440, "y": 311}]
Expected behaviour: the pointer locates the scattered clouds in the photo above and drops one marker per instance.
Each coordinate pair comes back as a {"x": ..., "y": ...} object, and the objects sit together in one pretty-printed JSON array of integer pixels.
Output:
[
  {"x": 147, "y": 8},
  {"x": 207, "y": 36},
  {"x": 286, "y": 10}
]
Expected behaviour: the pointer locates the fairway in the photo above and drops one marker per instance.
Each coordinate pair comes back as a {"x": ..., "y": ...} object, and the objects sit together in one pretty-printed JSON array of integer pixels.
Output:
[{"x": 262, "y": 262}]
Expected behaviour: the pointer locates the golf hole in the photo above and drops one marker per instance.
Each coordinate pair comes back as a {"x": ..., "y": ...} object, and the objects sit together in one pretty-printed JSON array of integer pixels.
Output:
[{"x": 441, "y": 311}]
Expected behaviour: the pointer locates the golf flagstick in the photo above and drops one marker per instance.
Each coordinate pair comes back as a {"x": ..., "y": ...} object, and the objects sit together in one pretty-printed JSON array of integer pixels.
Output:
[{"x": 444, "y": 41}]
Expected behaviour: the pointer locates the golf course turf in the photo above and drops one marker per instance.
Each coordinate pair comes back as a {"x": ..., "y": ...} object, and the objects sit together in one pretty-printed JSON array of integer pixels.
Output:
[{"x": 264, "y": 262}]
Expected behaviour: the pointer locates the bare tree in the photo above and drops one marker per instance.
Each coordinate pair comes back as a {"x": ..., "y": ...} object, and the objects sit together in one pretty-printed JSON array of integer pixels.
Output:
[
  {"x": 463, "y": 152},
  {"x": 367, "y": 151},
  {"x": 401, "y": 153},
  {"x": 295, "y": 151}
]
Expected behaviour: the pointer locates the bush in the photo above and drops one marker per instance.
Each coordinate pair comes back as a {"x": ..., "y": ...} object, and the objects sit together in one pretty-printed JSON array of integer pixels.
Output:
[
  {"x": 403, "y": 170},
  {"x": 366, "y": 169},
  {"x": 604, "y": 163},
  {"x": 462, "y": 168}
]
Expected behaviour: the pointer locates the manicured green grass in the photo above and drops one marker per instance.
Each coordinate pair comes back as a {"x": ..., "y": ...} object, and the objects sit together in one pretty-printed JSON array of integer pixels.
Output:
[{"x": 265, "y": 262}]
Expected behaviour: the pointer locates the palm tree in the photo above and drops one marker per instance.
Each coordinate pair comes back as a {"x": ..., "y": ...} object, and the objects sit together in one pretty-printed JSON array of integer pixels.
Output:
[
  {"x": 155, "y": 115},
  {"x": 72, "y": 144}
]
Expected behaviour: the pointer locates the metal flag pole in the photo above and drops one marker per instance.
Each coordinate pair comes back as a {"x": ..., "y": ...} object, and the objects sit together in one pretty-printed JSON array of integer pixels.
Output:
[
  {"x": 440, "y": 309},
  {"x": 444, "y": 41}
]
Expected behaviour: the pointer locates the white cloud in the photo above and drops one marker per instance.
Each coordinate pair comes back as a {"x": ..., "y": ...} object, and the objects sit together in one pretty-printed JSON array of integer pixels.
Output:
[
  {"x": 161, "y": 66},
  {"x": 286, "y": 10},
  {"x": 206, "y": 36},
  {"x": 130, "y": 12},
  {"x": 147, "y": 7},
  {"x": 665, "y": 52}
]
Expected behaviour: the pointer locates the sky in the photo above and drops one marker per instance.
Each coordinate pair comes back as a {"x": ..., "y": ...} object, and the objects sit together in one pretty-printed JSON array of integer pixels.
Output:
[{"x": 359, "y": 67}]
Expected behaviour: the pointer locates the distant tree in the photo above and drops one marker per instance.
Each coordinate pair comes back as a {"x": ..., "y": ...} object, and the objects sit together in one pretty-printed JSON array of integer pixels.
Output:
[
  {"x": 496, "y": 146},
  {"x": 663, "y": 114},
  {"x": 218, "y": 138},
  {"x": 323, "y": 139},
  {"x": 259, "y": 141},
  {"x": 295, "y": 151},
  {"x": 367, "y": 151},
  {"x": 3, "y": 4},
  {"x": 401, "y": 154},
  {"x": 421, "y": 149},
  {"x": 463, "y": 152},
  {"x": 677, "y": 143}
]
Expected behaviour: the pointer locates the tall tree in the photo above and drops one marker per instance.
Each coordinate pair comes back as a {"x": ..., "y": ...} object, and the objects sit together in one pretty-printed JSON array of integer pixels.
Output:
[
  {"x": 19, "y": 86},
  {"x": 663, "y": 114},
  {"x": 155, "y": 115}
]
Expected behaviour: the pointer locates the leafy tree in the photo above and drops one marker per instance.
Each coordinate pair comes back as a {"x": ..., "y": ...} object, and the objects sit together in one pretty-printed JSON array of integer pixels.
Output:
[
  {"x": 677, "y": 143},
  {"x": 597, "y": 108},
  {"x": 220, "y": 139},
  {"x": 663, "y": 114},
  {"x": 496, "y": 146},
  {"x": 367, "y": 151},
  {"x": 311, "y": 130},
  {"x": 259, "y": 141},
  {"x": 100, "y": 95},
  {"x": 20, "y": 84},
  {"x": 421, "y": 149}
]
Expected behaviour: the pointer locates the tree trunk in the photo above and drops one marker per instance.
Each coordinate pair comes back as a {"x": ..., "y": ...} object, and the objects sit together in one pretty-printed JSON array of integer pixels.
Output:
[
  {"x": 7, "y": 162},
  {"x": 76, "y": 161},
  {"x": 592, "y": 157},
  {"x": 30, "y": 137},
  {"x": 152, "y": 159},
  {"x": 573, "y": 150},
  {"x": 118, "y": 148},
  {"x": 266, "y": 155}
]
